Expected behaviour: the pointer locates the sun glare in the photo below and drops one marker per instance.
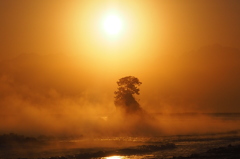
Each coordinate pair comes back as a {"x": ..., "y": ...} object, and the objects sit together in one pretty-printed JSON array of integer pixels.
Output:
[
  {"x": 115, "y": 157},
  {"x": 112, "y": 24}
]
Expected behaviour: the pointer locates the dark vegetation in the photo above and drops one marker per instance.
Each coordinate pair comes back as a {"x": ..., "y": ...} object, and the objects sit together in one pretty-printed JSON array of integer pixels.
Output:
[
  {"x": 138, "y": 121},
  {"x": 124, "y": 96}
]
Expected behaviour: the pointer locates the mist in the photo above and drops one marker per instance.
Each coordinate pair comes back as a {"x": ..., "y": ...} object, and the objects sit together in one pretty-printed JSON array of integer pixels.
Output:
[{"x": 61, "y": 95}]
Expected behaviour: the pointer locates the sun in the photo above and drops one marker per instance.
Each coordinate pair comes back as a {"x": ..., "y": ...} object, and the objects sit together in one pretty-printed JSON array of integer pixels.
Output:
[{"x": 112, "y": 24}]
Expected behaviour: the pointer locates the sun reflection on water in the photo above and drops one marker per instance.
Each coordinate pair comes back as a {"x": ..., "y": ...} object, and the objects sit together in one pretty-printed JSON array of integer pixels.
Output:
[{"x": 114, "y": 157}]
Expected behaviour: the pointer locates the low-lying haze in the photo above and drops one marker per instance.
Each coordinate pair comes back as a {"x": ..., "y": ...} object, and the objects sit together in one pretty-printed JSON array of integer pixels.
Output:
[{"x": 57, "y": 94}]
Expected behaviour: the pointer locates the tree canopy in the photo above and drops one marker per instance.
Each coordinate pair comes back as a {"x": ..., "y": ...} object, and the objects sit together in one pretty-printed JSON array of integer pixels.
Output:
[{"x": 124, "y": 96}]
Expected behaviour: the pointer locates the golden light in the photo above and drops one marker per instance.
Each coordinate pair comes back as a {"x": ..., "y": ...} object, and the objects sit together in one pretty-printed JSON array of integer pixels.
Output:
[
  {"x": 112, "y": 24},
  {"x": 114, "y": 157}
]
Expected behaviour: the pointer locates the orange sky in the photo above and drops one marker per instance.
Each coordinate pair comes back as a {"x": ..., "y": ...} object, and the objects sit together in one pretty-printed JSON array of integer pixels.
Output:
[
  {"x": 55, "y": 52},
  {"x": 73, "y": 27}
]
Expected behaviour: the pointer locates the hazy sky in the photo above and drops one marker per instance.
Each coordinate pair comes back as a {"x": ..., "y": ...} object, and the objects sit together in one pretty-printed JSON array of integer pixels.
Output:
[
  {"x": 74, "y": 26},
  {"x": 55, "y": 56}
]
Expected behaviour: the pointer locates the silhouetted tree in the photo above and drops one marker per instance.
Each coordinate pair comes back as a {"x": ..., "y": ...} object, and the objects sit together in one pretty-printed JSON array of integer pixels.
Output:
[{"x": 124, "y": 96}]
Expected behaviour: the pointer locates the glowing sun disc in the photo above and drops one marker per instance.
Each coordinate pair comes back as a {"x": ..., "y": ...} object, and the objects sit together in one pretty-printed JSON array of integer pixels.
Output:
[{"x": 112, "y": 24}]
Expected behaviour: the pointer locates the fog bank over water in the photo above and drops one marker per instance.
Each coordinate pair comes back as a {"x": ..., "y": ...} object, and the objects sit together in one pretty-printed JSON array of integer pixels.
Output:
[
  {"x": 59, "y": 94},
  {"x": 35, "y": 122}
]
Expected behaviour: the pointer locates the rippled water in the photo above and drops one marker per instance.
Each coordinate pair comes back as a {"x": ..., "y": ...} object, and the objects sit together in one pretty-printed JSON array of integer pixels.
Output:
[
  {"x": 185, "y": 145},
  {"x": 126, "y": 157}
]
